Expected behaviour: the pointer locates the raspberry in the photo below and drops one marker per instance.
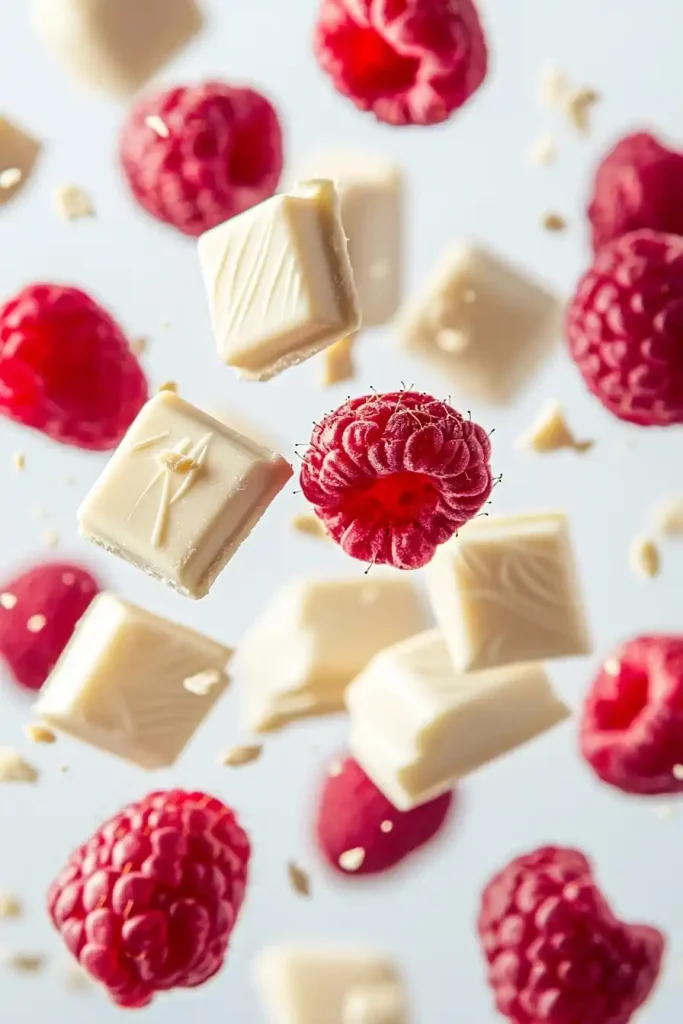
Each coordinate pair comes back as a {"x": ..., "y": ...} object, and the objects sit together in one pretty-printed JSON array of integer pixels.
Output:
[
  {"x": 639, "y": 184},
  {"x": 407, "y": 61},
  {"x": 66, "y": 368},
  {"x": 625, "y": 328},
  {"x": 393, "y": 476},
  {"x": 632, "y": 721},
  {"x": 219, "y": 153},
  {"x": 556, "y": 953},
  {"x": 39, "y": 611},
  {"x": 354, "y": 815},
  {"x": 150, "y": 901}
]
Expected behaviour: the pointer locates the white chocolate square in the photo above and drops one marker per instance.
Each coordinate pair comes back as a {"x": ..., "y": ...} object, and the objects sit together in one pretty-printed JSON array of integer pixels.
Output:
[
  {"x": 115, "y": 46},
  {"x": 279, "y": 281},
  {"x": 180, "y": 494},
  {"x": 417, "y": 725},
  {"x": 484, "y": 323},
  {"x": 371, "y": 195},
  {"x": 505, "y": 589},
  {"x": 300, "y": 984},
  {"x": 19, "y": 153},
  {"x": 119, "y": 684},
  {"x": 314, "y": 637}
]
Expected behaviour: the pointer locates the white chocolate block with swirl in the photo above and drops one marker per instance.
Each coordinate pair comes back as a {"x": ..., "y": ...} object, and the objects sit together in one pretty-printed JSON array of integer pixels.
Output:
[
  {"x": 484, "y": 323},
  {"x": 119, "y": 684},
  {"x": 279, "y": 281},
  {"x": 417, "y": 725},
  {"x": 505, "y": 589},
  {"x": 180, "y": 494}
]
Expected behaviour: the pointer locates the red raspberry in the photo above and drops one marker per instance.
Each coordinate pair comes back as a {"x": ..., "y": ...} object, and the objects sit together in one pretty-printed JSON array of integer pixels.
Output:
[
  {"x": 354, "y": 815},
  {"x": 625, "y": 328},
  {"x": 39, "y": 611},
  {"x": 632, "y": 722},
  {"x": 66, "y": 368},
  {"x": 393, "y": 476},
  {"x": 556, "y": 952},
  {"x": 150, "y": 901},
  {"x": 639, "y": 184},
  {"x": 407, "y": 61},
  {"x": 219, "y": 153}
]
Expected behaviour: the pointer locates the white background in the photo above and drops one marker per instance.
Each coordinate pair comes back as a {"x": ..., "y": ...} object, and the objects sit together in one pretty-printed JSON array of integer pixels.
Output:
[{"x": 468, "y": 177}]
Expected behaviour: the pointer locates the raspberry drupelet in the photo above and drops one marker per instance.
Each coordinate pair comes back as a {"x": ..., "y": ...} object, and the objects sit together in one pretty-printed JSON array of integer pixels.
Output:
[
  {"x": 392, "y": 476},
  {"x": 149, "y": 902}
]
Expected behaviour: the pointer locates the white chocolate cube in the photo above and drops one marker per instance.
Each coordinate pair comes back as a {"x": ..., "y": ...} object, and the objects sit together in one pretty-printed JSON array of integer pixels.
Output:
[
  {"x": 19, "y": 153},
  {"x": 279, "y": 281},
  {"x": 371, "y": 196},
  {"x": 482, "y": 322},
  {"x": 417, "y": 725},
  {"x": 180, "y": 494},
  {"x": 312, "y": 984},
  {"x": 119, "y": 684},
  {"x": 505, "y": 589},
  {"x": 115, "y": 46},
  {"x": 314, "y": 637}
]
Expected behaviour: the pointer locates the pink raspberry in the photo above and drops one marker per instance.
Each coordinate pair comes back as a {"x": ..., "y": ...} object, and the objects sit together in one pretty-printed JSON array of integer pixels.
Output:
[
  {"x": 625, "y": 328},
  {"x": 556, "y": 953},
  {"x": 393, "y": 476},
  {"x": 149, "y": 902},
  {"x": 194, "y": 156},
  {"x": 406, "y": 61},
  {"x": 639, "y": 184}
]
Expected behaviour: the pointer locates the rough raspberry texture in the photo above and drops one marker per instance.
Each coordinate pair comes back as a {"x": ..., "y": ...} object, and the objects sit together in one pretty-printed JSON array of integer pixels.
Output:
[
  {"x": 66, "y": 368},
  {"x": 625, "y": 328},
  {"x": 354, "y": 814},
  {"x": 393, "y": 476},
  {"x": 39, "y": 611},
  {"x": 639, "y": 184},
  {"x": 406, "y": 61},
  {"x": 556, "y": 953},
  {"x": 632, "y": 722},
  {"x": 220, "y": 153},
  {"x": 150, "y": 901}
]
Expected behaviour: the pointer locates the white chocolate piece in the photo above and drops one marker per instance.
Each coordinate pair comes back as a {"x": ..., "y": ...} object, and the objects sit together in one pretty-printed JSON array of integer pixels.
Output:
[
  {"x": 13, "y": 768},
  {"x": 417, "y": 725},
  {"x": 644, "y": 558},
  {"x": 180, "y": 494},
  {"x": 550, "y": 432},
  {"x": 119, "y": 683},
  {"x": 372, "y": 200},
  {"x": 312, "y": 640},
  {"x": 312, "y": 984},
  {"x": 506, "y": 324},
  {"x": 19, "y": 153},
  {"x": 505, "y": 589},
  {"x": 279, "y": 281},
  {"x": 667, "y": 518},
  {"x": 115, "y": 47},
  {"x": 376, "y": 1004}
]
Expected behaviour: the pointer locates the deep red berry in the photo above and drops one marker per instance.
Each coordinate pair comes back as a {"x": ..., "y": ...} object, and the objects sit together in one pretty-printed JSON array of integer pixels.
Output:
[
  {"x": 66, "y": 368},
  {"x": 625, "y": 328},
  {"x": 632, "y": 721},
  {"x": 194, "y": 156},
  {"x": 39, "y": 611},
  {"x": 393, "y": 476},
  {"x": 150, "y": 901},
  {"x": 406, "y": 61},
  {"x": 556, "y": 953},
  {"x": 639, "y": 184},
  {"x": 353, "y": 815}
]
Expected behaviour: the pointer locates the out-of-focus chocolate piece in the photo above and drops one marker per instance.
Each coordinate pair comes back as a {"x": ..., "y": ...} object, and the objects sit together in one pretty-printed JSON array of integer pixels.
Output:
[{"x": 19, "y": 153}]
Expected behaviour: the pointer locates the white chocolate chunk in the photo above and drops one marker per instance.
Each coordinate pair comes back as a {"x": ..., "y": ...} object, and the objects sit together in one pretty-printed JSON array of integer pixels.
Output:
[
  {"x": 119, "y": 683},
  {"x": 371, "y": 195},
  {"x": 644, "y": 558},
  {"x": 279, "y": 281},
  {"x": 549, "y": 432},
  {"x": 115, "y": 47},
  {"x": 19, "y": 153},
  {"x": 505, "y": 322},
  {"x": 10, "y": 906},
  {"x": 13, "y": 768},
  {"x": 667, "y": 519},
  {"x": 245, "y": 753},
  {"x": 72, "y": 203},
  {"x": 417, "y": 725},
  {"x": 376, "y": 1004},
  {"x": 314, "y": 637},
  {"x": 181, "y": 522},
  {"x": 505, "y": 589}
]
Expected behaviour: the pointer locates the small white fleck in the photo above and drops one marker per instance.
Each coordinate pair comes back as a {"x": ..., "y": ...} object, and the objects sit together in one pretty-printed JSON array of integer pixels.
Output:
[
  {"x": 36, "y": 623},
  {"x": 543, "y": 150},
  {"x": 678, "y": 771},
  {"x": 352, "y": 860},
  {"x": 8, "y": 601},
  {"x": 68, "y": 579},
  {"x": 10, "y": 906},
  {"x": 19, "y": 460},
  {"x": 51, "y": 539},
  {"x": 157, "y": 125},
  {"x": 612, "y": 666},
  {"x": 387, "y": 826},
  {"x": 664, "y": 811},
  {"x": 335, "y": 769},
  {"x": 10, "y": 177},
  {"x": 39, "y": 733},
  {"x": 203, "y": 683}
]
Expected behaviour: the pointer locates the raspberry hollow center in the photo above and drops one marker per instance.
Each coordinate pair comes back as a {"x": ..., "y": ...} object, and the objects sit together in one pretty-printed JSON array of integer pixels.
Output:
[
  {"x": 399, "y": 498},
  {"x": 372, "y": 68},
  {"x": 620, "y": 714}
]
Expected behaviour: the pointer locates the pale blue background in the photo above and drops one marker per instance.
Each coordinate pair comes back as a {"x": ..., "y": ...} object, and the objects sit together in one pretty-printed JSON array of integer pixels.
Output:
[{"x": 469, "y": 177}]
